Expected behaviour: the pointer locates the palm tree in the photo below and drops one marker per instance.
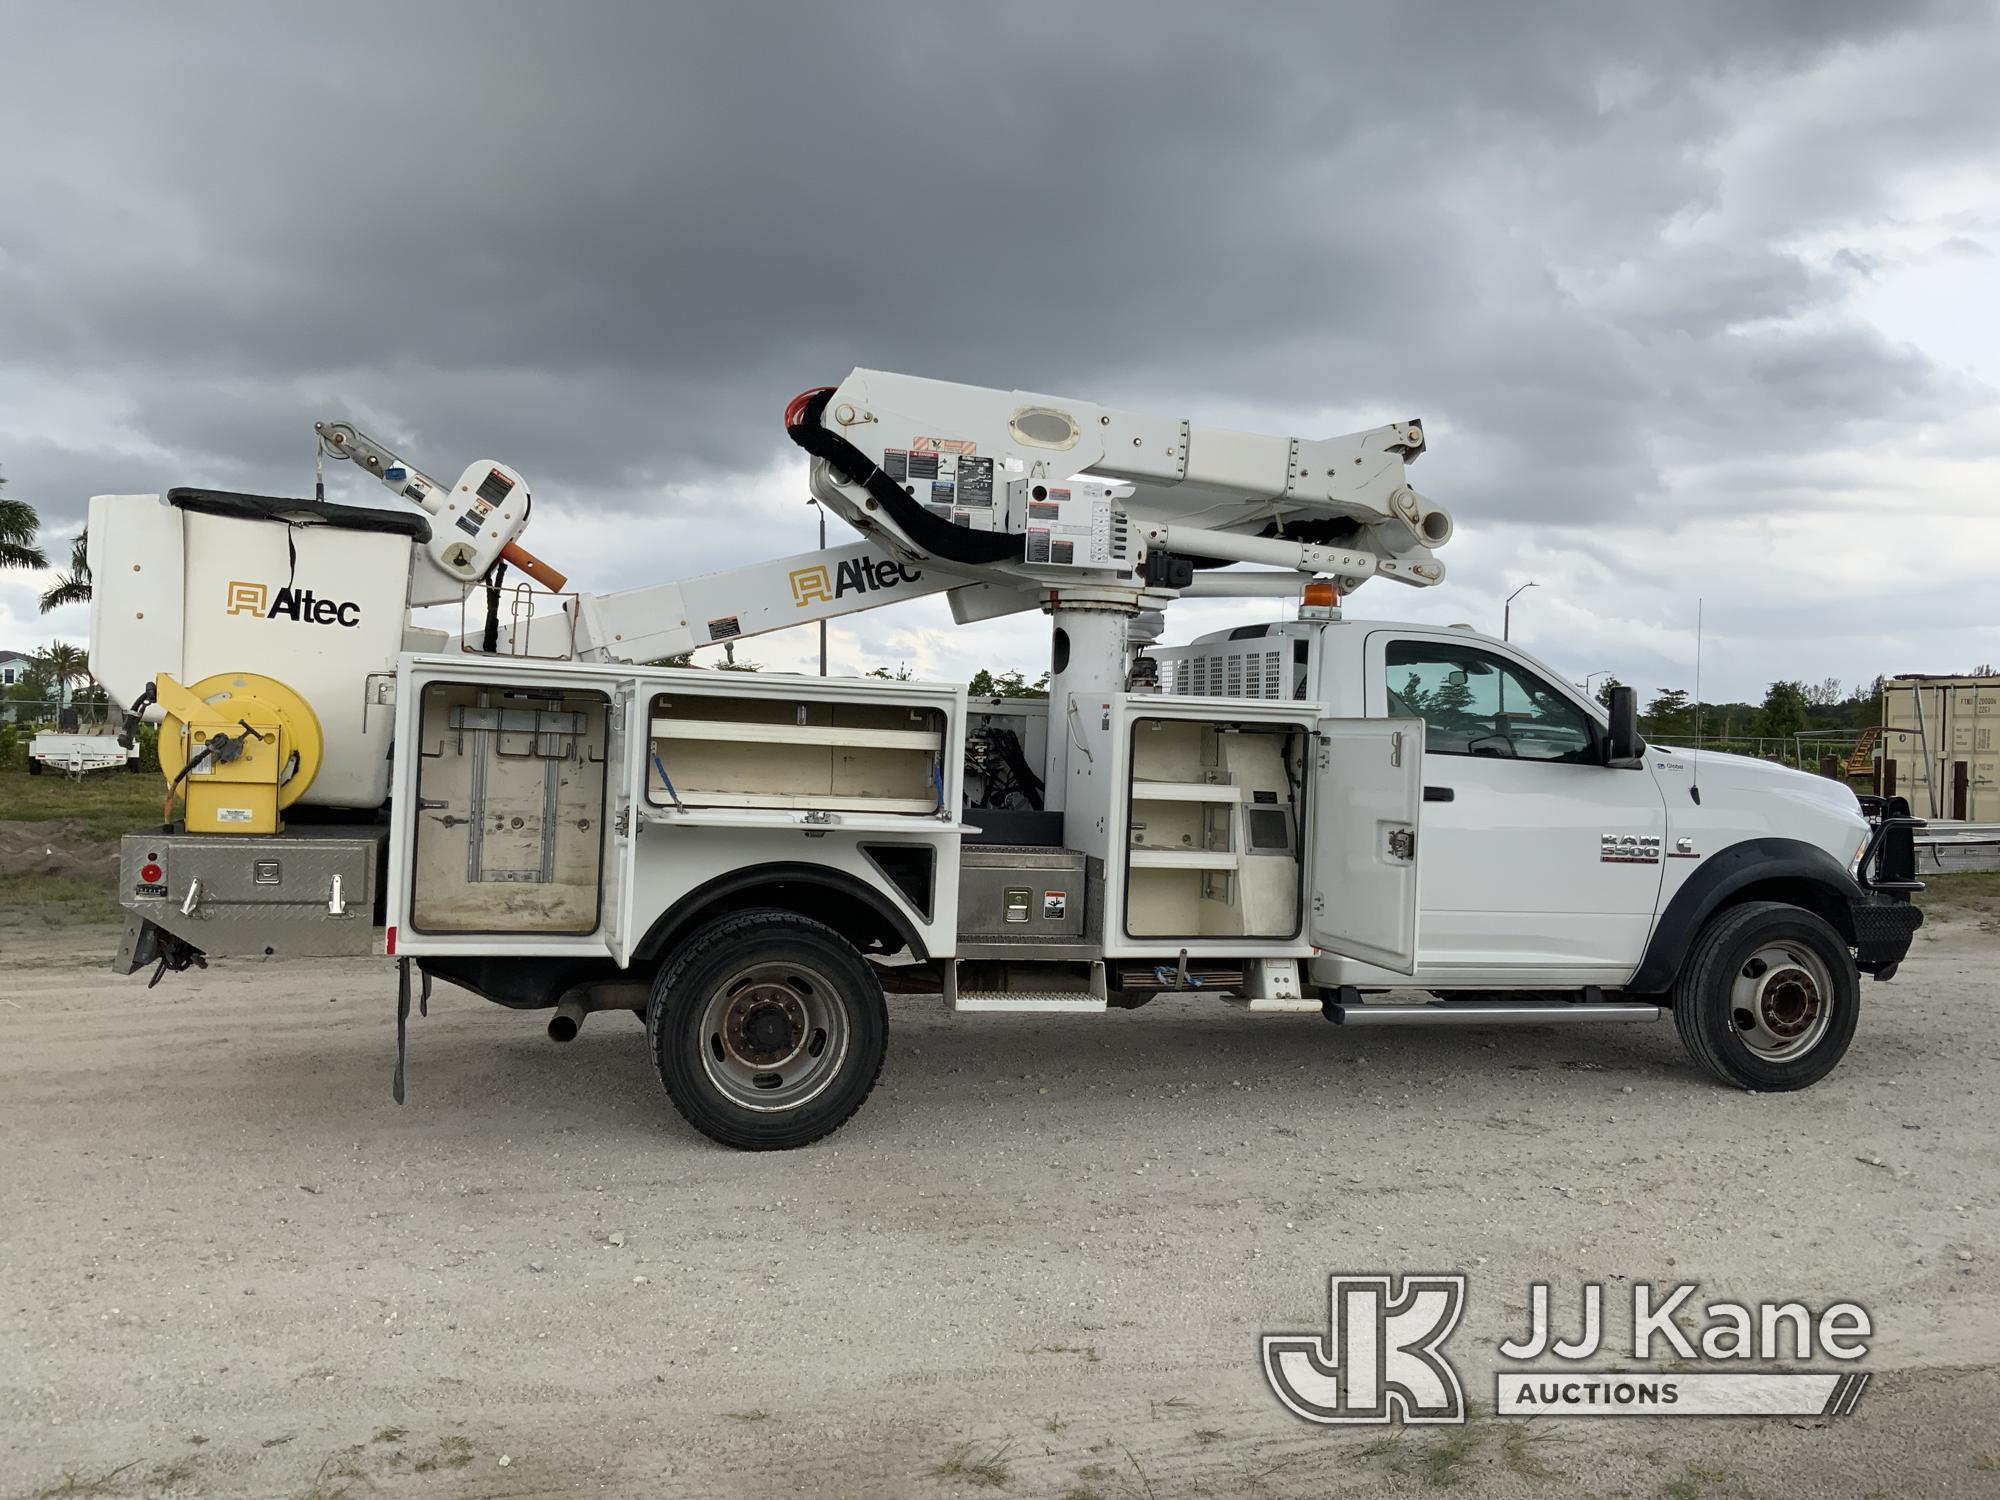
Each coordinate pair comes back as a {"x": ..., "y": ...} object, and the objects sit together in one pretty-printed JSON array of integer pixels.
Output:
[
  {"x": 18, "y": 524},
  {"x": 72, "y": 587},
  {"x": 65, "y": 664}
]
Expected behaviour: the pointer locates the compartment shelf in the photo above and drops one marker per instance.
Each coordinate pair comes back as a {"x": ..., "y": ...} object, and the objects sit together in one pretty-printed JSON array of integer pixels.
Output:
[
  {"x": 1141, "y": 858},
  {"x": 796, "y": 734},
  {"x": 805, "y": 801},
  {"x": 1184, "y": 791}
]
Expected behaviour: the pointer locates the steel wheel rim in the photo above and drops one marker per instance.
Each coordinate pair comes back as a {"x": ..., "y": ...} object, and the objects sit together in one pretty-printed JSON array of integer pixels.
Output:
[
  {"x": 773, "y": 1036},
  {"x": 1781, "y": 1001}
]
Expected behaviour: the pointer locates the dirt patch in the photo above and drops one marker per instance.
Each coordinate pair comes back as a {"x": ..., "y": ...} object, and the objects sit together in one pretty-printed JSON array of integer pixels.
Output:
[
  {"x": 1036, "y": 1264},
  {"x": 65, "y": 846}
]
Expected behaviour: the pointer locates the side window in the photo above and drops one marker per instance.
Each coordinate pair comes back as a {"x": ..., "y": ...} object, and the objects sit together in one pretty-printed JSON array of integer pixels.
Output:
[{"x": 1474, "y": 703}]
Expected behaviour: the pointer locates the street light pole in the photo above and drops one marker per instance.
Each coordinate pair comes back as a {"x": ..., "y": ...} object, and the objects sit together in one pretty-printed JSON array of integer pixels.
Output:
[
  {"x": 1507, "y": 610},
  {"x": 822, "y": 547}
]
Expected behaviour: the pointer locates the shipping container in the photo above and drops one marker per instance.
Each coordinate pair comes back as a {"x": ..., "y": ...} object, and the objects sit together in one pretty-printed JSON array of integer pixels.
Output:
[{"x": 1939, "y": 747}]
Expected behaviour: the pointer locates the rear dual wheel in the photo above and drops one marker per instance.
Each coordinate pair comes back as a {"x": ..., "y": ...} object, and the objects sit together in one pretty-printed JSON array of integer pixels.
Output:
[{"x": 768, "y": 1030}]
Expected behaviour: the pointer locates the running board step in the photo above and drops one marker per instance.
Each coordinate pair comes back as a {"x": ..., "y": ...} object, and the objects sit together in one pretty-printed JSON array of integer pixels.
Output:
[
  {"x": 1022, "y": 1001},
  {"x": 1026, "y": 1000},
  {"x": 1487, "y": 1012}
]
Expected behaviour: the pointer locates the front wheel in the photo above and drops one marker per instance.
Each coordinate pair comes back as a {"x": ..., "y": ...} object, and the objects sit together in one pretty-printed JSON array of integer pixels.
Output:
[
  {"x": 768, "y": 1030},
  {"x": 1768, "y": 997}
]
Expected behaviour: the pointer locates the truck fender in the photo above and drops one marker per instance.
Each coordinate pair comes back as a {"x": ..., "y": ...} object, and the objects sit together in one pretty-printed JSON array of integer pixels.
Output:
[
  {"x": 1764, "y": 869},
  {"x": 738, "y": 882}
]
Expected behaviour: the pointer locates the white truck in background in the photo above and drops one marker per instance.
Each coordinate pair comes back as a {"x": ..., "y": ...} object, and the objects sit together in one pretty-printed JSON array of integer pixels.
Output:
[{"x": 1293, "y": 817}]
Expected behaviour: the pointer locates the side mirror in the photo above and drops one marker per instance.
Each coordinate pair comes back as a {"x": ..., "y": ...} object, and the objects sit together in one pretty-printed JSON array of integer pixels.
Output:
[{"x": 1624, "y": 746}]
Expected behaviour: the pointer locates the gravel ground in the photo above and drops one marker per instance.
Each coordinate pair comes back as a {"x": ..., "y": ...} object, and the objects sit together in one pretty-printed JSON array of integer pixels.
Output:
[{"x": 1036, "y": 1264}]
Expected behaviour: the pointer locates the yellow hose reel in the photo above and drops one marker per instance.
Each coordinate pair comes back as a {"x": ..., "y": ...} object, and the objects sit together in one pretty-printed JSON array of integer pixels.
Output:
[{"x": 240, "y": 746}]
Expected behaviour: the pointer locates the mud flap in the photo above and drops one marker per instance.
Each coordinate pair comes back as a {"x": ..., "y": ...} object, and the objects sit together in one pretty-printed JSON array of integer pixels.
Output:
[{"x": 402, "y": 1021}]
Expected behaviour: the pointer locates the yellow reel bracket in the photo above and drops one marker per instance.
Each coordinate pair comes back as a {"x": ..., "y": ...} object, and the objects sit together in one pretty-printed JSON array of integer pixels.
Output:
[{"x": 240, "y": 746}]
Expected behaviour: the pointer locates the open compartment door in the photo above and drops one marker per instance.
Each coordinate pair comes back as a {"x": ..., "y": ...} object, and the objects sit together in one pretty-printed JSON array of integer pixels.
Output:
[
  {"x": 1368, "y": 789},
  {"x": 630, "y": 747}
]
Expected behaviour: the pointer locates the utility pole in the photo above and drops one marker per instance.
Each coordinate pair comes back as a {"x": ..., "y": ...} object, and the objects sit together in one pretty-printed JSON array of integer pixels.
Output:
[{"x": 1507, "y": 609}]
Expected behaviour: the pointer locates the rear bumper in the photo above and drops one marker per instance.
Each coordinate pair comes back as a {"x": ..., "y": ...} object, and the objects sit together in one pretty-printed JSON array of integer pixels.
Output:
[{"x": 309, "y": 892}]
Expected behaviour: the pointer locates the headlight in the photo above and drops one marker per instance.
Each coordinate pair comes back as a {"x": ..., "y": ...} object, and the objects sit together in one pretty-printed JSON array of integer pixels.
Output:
[{"x": 1860, "y": 852}]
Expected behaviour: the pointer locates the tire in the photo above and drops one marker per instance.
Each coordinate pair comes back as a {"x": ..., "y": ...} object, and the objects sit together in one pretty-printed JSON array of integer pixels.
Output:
[
  {"x": 34, "y": 766},
  {"x": 735, "y": 1015},
  {"x": 1768, "y": 997}
]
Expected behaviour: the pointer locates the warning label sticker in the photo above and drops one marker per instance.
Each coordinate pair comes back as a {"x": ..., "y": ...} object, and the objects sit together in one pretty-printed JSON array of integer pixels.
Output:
[
  {"x": 724, "y": 628},
  {"x": 941, "y": 492},
  {"x": 896, "y": 464},
  {"x": 975, "y": 481},
  {"x": 943, "y": 445},
  {"x": 1055, "y": 905}
]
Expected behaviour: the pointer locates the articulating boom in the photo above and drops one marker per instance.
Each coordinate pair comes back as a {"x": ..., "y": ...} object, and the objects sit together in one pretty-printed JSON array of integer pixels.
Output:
[
  {"x": 1042, "y": 490},
  {"x": 1008, "y": 500}
]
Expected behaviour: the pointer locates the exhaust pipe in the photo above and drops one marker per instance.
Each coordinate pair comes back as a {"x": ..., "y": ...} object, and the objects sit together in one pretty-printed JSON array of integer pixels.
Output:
[{"x": 567, "y": 1021}]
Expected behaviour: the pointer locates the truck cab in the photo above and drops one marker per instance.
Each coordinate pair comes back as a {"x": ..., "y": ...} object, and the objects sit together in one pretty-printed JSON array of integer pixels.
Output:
[{"x": 1549, "y": 863}]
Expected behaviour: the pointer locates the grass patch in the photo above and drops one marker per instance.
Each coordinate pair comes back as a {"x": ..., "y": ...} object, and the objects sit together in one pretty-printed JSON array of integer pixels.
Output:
[
  {"x": 987, "y": 1471},
  {"x": 336, "y": 1479},
  {"x": 59, "y": 897},
  {"x": 1963, "y": 893},
  {"x": 166, "y": 1476},
  {"x": 453, "y": 1453},
  {"x": 107, "y": 803},
  {"x": 73, "y": 1484},
  {"x": 1519, "y": 1451},
  {"x": 1441, "y": 1466},
  {"x": 1695, "y": 1482}
]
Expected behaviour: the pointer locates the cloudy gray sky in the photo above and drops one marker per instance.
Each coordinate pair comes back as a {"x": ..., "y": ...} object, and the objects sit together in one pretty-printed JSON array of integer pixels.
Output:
[{"x": 1695, "y": 299}]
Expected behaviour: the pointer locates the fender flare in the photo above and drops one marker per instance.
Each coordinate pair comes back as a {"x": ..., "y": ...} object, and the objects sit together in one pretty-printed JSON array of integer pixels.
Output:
[
  {"x": 1720, "y": 877},
  {"x": 653, "y": 944}
]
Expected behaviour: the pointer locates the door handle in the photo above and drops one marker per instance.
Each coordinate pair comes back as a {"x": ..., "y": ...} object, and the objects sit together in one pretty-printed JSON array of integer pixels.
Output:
[{"x": 1439, "y": 793}]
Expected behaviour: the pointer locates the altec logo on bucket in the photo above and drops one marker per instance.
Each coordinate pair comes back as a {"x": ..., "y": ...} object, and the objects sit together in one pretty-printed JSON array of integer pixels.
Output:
[
  {"x": 1382, "y": 1359},
  {"x": 302, "y": 605}
]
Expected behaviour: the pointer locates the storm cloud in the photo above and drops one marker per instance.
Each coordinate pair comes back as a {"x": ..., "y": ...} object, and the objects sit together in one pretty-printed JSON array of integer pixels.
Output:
[{"x": 1689, "y": 296}]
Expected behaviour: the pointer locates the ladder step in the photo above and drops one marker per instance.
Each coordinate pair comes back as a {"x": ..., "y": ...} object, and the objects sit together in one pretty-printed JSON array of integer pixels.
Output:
[{"x": 1488, "y": 1012}]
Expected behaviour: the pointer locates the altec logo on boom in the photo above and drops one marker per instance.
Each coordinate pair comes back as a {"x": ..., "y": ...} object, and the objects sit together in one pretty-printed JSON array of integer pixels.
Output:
[
  {"x": 858, "y": 575},
  {"x": 301, "y": 605}
]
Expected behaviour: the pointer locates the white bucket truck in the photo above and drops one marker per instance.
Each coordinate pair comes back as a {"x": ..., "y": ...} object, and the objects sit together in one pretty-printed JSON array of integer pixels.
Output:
[{"x": 1288, "y": 818}]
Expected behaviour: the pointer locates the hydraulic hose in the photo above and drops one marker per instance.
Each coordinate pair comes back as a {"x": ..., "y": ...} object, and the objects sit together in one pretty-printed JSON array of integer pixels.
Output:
[{"x": 930, "y": 533}]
